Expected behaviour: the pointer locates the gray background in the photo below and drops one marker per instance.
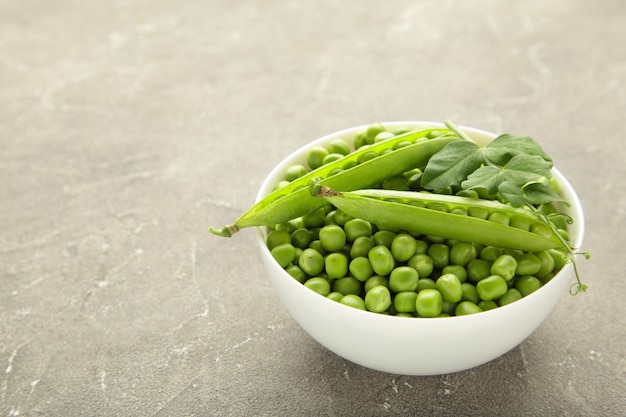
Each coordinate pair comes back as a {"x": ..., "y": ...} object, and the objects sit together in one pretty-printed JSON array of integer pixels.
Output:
[{"x": 128, "y": 127}]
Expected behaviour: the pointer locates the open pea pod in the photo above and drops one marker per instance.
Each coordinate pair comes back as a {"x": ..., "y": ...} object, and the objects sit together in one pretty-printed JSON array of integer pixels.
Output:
[
  {"x": 461, "y": 218},
  {"x": 295, "y": 200}
]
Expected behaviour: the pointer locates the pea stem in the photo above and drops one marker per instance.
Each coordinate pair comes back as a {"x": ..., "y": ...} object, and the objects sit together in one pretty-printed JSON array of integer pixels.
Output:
[
  {"x": 458, "y": 131},
  {"x": 578, "y": 286}
]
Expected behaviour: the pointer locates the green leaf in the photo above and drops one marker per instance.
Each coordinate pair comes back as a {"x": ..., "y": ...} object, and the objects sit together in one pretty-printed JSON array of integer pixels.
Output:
[
  {"x": 520, "y": 170},
  {"x": 540, "y": 193},
  {"x": 451, "y": 165},
  {"x": 503, "y": 148},
  {"x": 511, "y": 193}
]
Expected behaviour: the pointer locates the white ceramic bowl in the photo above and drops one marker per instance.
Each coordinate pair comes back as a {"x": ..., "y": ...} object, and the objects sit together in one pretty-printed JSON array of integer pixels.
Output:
[{"x": 416, "y": 346}]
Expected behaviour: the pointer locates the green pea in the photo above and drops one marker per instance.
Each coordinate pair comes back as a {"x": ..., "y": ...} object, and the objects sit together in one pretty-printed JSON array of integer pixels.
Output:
[
  {"x": 511, "y": 295},
  {"x": 335, "y": 296},
  {"x": 547, "y": 264},
  {"x": 330, "y": 218},
  {"x": 340, "y": 146},
  {"x": 341, "y": 217},
  {"x": 520, "y": 222},
  {"x": 367, "y": 156},
  {"x": 559, "y": 257},
  {"x": 461, "y": 211},
  {"x": 281, "y": 184},
  {"x": 468, "y": 193},
  {"x": 384, "y": 238},
  {"x": 332, "y": 237},
  {"x": 375, "y": 280},
  {"x": 403, "y": 247},
  {"x": 403, "y": 278},
  {"x": 486, "y": 305},
  {"x": 458, "y": 270},
  {"x": 372, "y": 131},
  {"x": 296, "y": 272},
  {"x": 492, "y": 287},
  {"x": 429, "y": 303},
  {"x": 447, "y": 308},
  {"x": 527, "y": 284},
  {"x": 422, "y": 263},
  {"x": 402, "y": 144},
  {"x": 451, "y": 242},
  {"x": 353, "y": 300},
  {"x": 500, "y": 218},
  {"x": 378, "y": 299},
  {"x": 513, "y": 252},
  {"x": 319, "y": 285},
  {"x": 505, "y": 266},
  {"x": 284, "y": 254},
  {"x": 347, "y": 285},
  {"x": 440, "y": 254},
  {"x": 404, "y": 302},
  {"x": 422, "y": 247},
  {"x": 311, "y": 262},
  {"x": 381, "y": 259},
  {"x": 409, "y": 174},
  {"x": 315, "y": 233},
  {"x": 301, "y": 238},
  {"x": 360, "y": 140},
  {"x": 355, "y": 228},
  {"x": 478, "y": 269},
  {"x": 415, "y": 181},
  {"x": 470, "y": 293},
  {"x": 466, "y": 307},
  {"x": 436, "y": 239},
  {"x": 336, "y": 265},
  {"x": 332, "y": 157},
  {"x": 288, "y": 227},
  {"x": 275, "y": 238},
  {"x": 479, "y": 212},
  {"x": 426, "y": 284},
  {"x": 490, "y": 253},
  {"x": 361, "y": 246},
  {"x": 541, "y": 229},
  {"x": 294, "y": 172},
  {"x": 527, "y": 264},
  {"x": 396, "y": 183},
  {"x": 317, "y": 245},
  {"x": 435, "y": 133},
  {"x": 316, "y": 218},
  {"x": 439, "y": 206},
  {"x": 361, "y": 268},
  {"x": 315, "y": 156},
  {"x": 383, "y": 136},
  {"x": 461, "y": 253},
  {"x": 296, "y": 259},
  {"x": 450, "y": 288},
  {"x": 544, "y": 279}
]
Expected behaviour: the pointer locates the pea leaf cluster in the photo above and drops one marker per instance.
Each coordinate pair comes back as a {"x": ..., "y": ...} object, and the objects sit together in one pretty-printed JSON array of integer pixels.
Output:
[{"x": 513, "y": 169}]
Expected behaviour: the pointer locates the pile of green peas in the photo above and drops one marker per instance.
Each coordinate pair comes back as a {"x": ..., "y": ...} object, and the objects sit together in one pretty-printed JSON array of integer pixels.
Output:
[
  {"x": 362, "y": 265},
  {"x": 353, "y": 262}
]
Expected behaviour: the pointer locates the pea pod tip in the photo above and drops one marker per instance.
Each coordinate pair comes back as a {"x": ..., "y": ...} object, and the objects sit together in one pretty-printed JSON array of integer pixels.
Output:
[{"x": 226, "y": 231}]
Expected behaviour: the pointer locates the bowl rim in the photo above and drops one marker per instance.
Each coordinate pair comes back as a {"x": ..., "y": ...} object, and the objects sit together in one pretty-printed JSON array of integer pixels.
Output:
[{"x": 576, "y": 211}]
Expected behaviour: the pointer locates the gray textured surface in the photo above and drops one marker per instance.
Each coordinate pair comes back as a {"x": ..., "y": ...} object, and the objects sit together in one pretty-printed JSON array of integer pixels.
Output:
[{"x": 128, "y": 127}]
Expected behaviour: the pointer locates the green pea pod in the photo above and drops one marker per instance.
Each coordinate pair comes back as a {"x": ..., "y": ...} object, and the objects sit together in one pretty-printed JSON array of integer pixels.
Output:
[
  {"x": 295, "y": 200},
  {"x": 409, "y": 211}
]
